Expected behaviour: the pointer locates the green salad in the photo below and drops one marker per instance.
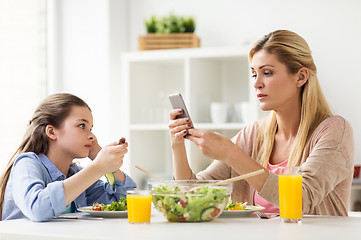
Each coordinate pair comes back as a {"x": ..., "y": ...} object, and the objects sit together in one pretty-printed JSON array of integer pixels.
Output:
[
  {"x": 121, "y": 205},
  {"x": 232, "y": 205},
  {"x": 202, "y": 204}
]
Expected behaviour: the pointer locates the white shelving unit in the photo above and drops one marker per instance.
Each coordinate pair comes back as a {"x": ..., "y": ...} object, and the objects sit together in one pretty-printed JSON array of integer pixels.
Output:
[{"x": 202, "y": 76}]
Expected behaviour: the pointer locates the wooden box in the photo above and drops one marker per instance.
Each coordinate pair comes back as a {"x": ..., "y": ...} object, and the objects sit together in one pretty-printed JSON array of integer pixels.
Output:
[{"x": 166, "y": 41}]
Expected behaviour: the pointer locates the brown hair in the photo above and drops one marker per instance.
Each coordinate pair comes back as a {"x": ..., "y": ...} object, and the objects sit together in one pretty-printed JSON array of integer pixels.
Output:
[
  {"x": 293, "y": 51},
  {"x": 53, "y": 110}
]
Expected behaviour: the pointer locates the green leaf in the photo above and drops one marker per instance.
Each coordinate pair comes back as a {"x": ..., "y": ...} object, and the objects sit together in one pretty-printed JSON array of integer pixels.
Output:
[{"x": 170, "y": 24}]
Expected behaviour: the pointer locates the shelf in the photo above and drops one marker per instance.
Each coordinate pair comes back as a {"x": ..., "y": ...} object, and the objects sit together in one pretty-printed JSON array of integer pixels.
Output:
[
  {"x": 196, "y": 53},
  {"x": 224, "y": 126},
  {"x": 203, "y": 76},
  {"x": 206, "y": 126}
]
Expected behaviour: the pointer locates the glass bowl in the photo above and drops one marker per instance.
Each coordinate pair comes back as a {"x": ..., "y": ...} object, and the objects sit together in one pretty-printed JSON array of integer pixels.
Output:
[{"x": 190, "y": 200}]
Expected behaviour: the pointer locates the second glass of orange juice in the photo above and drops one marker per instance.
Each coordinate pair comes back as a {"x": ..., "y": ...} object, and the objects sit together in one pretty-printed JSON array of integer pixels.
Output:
[
  {"x": 139, "y": 206},
  {"x": 290, "y": 193}
]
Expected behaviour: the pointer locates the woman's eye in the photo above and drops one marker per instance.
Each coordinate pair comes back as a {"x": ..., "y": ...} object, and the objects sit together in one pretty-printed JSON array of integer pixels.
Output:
[
  {"x": 254, "y": 75},
  {"x": 82, "y": 126},
  {"x": 267, "y": 73}
]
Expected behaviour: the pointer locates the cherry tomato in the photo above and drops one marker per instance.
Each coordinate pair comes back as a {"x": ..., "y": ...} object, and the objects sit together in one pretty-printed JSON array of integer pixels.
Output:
[
  {"x": 215, "y": 212},
  {"x": 182, "y": 218},
  {"x": 184, "y": 204},
  {"x": 97, "y": 207}
]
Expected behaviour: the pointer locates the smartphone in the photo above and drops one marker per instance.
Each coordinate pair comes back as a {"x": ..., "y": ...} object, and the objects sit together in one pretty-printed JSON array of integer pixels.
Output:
[{"x": 178, "y": 103}]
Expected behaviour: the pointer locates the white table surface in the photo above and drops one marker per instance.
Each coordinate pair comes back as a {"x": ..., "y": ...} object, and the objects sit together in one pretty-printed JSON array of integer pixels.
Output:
[{"x": 312, "y": 227}]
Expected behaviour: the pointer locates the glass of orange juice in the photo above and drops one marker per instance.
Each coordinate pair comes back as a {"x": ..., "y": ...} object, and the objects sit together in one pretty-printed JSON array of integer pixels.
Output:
[
  {"x": 139, "y": 206},
  {"x": 290, "y": 193}
]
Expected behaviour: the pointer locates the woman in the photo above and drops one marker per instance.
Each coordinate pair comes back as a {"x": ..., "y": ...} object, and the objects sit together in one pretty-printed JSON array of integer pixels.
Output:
[
  {"x": 41, "y": 182},
  {"x": 300, "y": 131}
]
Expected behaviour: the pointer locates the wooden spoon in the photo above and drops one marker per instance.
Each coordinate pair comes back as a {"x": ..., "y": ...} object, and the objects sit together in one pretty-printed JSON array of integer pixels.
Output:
[
  {"x": 243, "y": 176},
  {"x": 230, "y": 180},
  {"x": 151, "y": 174}
]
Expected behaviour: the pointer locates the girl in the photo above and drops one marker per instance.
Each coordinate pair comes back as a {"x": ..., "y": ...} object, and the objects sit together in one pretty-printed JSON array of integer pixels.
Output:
[
  {"x": 41, "y": 182},
  {"x": 300, "y": 131}
]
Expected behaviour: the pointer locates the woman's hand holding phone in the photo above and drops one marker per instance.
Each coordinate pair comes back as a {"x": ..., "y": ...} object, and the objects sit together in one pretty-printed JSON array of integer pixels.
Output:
[
  {"x": 178, "y": 127},
  {"x": 180, "y": 120}
]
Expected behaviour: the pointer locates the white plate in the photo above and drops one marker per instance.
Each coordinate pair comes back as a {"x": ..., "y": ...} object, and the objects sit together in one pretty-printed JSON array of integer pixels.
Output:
[
  {"x": 105, "y": 214},
  {"x": 241, "y": 213}
]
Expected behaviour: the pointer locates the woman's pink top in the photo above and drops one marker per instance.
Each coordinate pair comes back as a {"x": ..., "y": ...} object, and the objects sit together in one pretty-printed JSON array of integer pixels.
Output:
[{"x": 257, "y": 199}]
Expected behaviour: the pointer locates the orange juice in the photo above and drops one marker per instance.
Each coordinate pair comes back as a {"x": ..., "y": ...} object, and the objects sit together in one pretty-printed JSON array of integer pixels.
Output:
[
  {"x": 290, "y": 196},
  {"x": 139, "y": 207}
]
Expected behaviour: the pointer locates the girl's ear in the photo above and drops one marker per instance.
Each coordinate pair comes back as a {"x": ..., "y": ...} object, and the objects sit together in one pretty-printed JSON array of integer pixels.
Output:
[
  {"x": 50, "y": 132},
  {"x": 303, "y": 75}
]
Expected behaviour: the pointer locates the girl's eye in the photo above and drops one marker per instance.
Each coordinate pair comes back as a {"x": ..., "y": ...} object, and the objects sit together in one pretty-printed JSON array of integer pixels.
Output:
[
  {"x": 82, "y": 126},
  {"x": 254, "y": 75}
]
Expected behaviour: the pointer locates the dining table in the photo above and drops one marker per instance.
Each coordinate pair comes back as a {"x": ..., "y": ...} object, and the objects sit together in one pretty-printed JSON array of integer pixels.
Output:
[{"x": 81, "y": 225}]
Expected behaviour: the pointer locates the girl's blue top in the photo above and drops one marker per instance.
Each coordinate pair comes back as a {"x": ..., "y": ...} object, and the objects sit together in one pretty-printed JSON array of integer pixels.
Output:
[{"x": 35, "y": 189}]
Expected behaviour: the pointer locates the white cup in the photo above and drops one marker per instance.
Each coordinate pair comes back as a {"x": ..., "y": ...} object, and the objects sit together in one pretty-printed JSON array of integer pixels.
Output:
[
  {"x": 219, "y": 112},
  {"x": 241, "y": 112}
]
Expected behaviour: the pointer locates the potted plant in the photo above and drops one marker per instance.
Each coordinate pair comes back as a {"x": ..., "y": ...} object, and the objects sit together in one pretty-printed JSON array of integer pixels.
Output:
[{"x": 169, "y": 32}]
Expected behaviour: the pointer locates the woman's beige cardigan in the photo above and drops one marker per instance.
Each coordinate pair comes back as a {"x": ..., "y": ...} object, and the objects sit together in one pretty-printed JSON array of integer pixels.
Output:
[{"x": 327, "y": 169}]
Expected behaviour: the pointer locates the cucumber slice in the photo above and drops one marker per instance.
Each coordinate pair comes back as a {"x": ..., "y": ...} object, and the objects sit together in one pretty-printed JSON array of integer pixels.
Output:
[
  {"x": 110, "y": 177},
  {"x": 206, "y": 213}
]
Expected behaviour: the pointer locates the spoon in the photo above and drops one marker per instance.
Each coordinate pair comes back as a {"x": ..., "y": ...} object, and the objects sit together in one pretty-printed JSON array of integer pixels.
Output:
[
  {"x": 243, "y": 176},
  {"x": 230, "y": 180},
  {"x": 151, "y": 174}
]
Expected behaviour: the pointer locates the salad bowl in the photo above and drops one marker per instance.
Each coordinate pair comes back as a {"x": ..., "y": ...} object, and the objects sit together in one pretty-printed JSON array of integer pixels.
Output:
[{"x": 190, "y": 200}]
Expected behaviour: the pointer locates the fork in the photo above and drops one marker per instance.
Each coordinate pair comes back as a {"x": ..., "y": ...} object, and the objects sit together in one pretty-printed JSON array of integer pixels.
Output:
[{"x": 262, "y": 215}]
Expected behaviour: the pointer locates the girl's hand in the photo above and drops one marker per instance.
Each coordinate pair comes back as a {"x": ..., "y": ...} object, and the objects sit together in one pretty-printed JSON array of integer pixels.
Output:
[
  {"x": 110, "y": 158},
  {"x": 213, "y": 145},
  {"x": 178, "y": 128},
  {"x": 95, "y": 149}
]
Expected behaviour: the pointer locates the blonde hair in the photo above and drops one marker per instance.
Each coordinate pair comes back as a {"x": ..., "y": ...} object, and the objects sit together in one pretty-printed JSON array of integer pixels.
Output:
[
  {"x": 52, "y": 111},
  {"x": 293, "y": 51}
]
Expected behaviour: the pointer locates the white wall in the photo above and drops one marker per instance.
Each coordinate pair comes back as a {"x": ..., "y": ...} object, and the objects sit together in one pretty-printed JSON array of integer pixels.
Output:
[
  {"x": 331, "y": 27},
  {"x": 93, "y": 34},
  {"x": 85, "y": 43},
  {"x": 22, "y": 69}
]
